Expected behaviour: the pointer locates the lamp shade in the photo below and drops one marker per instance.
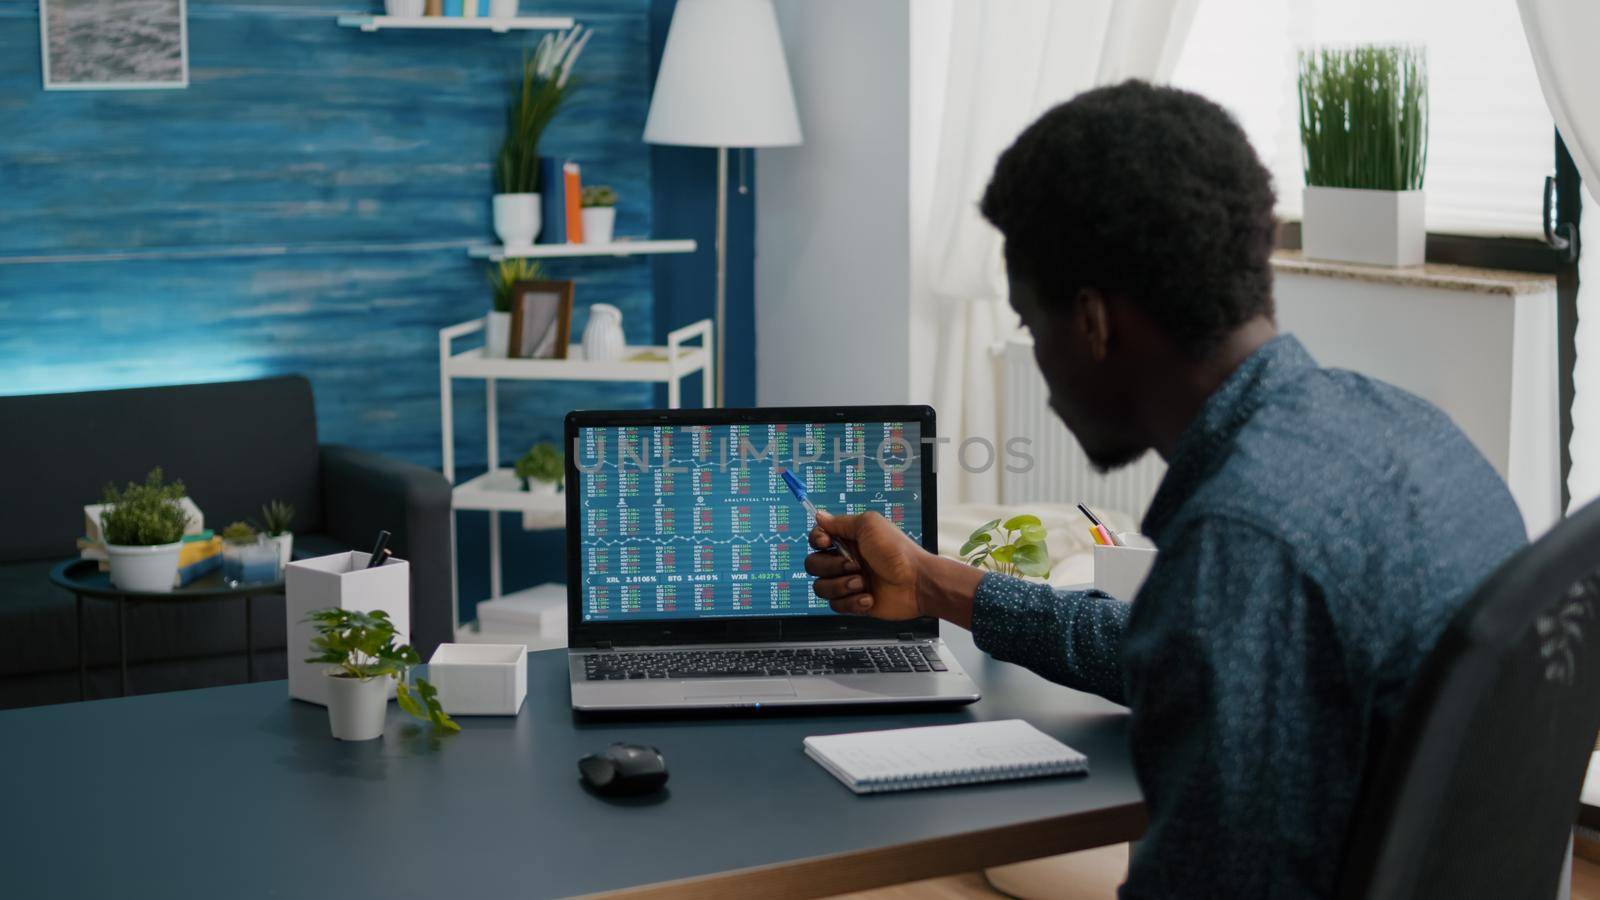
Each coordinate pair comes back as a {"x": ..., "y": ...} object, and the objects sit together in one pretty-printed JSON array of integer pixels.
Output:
[{"x": 723, "y": 80}]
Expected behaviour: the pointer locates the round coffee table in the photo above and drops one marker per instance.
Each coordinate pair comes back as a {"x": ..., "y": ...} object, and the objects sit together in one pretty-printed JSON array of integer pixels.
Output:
[{"x": 83, "y": 578}]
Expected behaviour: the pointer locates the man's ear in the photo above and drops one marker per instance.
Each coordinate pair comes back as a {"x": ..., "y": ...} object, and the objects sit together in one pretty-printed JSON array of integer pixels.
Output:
[{"x": 1095, "y": 320}]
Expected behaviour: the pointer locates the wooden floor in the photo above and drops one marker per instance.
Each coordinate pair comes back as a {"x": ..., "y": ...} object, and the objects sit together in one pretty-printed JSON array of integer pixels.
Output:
[{"x": 1091, "y": 875}]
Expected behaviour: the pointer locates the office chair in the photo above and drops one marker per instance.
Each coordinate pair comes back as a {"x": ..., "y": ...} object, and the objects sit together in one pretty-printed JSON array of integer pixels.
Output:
[{"x": 1475, "y": 792}]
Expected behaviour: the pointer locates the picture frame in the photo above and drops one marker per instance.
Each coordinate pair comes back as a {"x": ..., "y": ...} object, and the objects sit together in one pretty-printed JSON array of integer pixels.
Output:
[
  {"x": 541, "y": 319},
  {"x": 111, "y": 45}
]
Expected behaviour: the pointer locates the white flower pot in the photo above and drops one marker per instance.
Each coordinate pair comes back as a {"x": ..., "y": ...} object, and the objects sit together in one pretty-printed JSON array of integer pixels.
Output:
[
  {"x": 409, "y": 9},
  {"x": 543, "y": 488},
  {"x": 598, "y": 224},
  {"x": 502, "y": 9},
  {"x": 357, "y": 707},
  {"x": 496, "y": 334},
  {"x": 1376, "y": 228},
  {"x": 151, "y": 569},
  {"x": 602, "y": 337},
  {"x": 516, "y": 218},
  {"x": 285, "y": 544}
]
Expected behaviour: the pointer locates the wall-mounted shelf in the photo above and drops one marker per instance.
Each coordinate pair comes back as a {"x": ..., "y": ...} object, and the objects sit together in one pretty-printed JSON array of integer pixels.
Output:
[
  {"x": 459, "y": 23},
  {"x": 498, "y": 252}
]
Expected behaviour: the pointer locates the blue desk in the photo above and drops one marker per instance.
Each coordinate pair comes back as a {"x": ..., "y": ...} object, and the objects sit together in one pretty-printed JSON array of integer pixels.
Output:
[{"x": 239, "y": 792}]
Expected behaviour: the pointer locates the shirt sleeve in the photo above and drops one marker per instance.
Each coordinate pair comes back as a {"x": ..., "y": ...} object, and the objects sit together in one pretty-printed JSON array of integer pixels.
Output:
[
  {"x": 1217, "y": 678},
  {"x": 1070, "y": 637}
]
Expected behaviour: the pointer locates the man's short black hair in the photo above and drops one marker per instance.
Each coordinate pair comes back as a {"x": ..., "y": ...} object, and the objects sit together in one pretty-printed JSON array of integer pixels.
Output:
[{"x": 1149, "y": 192}]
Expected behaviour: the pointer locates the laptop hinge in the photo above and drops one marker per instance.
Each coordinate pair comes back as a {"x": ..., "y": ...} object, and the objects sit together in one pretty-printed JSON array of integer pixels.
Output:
[
  {"x": 907, "y": 636},
  {"x": 602, "y": 645}
]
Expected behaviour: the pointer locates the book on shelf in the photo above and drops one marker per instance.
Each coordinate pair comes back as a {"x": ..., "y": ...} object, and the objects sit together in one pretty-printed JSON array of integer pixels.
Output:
[
  {"x": 574, "y": 198},
  {"x": 552, "y": 202}
]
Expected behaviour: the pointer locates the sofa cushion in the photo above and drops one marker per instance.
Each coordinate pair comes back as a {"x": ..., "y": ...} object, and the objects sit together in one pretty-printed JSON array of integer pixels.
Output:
[{"x": 235, "y": 445}]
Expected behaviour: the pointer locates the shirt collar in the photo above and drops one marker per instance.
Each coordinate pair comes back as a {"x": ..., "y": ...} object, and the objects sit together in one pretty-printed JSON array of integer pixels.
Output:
[{"x": 1209, "y": 438}]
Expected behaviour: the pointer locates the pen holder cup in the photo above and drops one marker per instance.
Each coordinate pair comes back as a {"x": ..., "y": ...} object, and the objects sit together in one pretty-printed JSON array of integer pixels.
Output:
[
  {"x": 1120, "y": 571},
  {"x": 340, "y": 581}
]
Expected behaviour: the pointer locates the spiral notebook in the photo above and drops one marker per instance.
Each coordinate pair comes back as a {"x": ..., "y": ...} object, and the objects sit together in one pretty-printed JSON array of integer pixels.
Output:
[{"x": 909, "y": 758}]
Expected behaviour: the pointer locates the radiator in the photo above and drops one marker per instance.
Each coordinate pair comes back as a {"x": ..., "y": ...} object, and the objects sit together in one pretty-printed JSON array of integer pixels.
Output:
[{"x": 1060, "y": 472}]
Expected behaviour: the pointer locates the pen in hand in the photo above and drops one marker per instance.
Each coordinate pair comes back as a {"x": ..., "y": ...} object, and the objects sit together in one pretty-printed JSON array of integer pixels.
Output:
[{"x": 799, "y": 491}]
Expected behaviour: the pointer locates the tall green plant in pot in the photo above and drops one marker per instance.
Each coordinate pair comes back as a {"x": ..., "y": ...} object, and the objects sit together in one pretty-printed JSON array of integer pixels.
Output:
[
  {"x": 143, "y": 526},
  {"x": 541, "y": 85},
  {"x": 1364, "y": 137}
]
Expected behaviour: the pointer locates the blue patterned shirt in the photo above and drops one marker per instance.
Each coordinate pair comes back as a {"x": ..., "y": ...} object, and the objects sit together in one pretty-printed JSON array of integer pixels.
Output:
[{"x": 1317, "y": 529}]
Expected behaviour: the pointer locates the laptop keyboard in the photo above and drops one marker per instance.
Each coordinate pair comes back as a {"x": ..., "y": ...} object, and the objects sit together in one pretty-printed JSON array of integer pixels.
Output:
[{"x": 888, "y": 658}]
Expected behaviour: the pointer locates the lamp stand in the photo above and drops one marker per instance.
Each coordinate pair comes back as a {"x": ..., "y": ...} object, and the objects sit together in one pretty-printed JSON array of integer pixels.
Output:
[{"x": 722, "y": 268}]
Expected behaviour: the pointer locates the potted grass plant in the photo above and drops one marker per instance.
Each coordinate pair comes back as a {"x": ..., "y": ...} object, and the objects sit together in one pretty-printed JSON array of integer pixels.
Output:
[
  {"x": 1364, "y": 135},
  {"x": 143, "y": 527},
  {"x": 362, "y": 655},
  {"x": 541, "y": 86},
  {"x": 599, "y": 214},
  {"x": 503, "y": 277},
  {"x": 276, "y": 518}
]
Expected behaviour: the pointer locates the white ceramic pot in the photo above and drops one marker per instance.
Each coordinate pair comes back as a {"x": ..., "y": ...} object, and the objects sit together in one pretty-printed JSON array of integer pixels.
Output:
[
  {"x": 496, "y": 334},
  {"x": 1375, "y": 228},
  {"x": 357, "y": 707},
  {"x": 602, "y": 337},
  {"x": 150, "y": 569},
  {"x": 285, "y": 544},
  {"x": 543, "y": 488},
  {"x": 598, "y": 224},
  {"x": 502, "y": 9},
  {"x": 516, "y": 218},
  {"x": 409, "y": 9}
]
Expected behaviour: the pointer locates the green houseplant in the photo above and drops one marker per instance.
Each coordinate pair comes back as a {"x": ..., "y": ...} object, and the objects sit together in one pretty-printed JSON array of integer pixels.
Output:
[
  {"x": 1015, "y": 546},
  {"x": 143, "y": 526},
  {"x": 599, "y": 214},
  {"x": 277, "y": 517},
  {"x": 1364, "y": 139},
  {"x": 503, "y": 278},
  {"x": 361, "y": 650},
  {"x": 248, "y": 557},
  {"x": 544, "y": 464},
  {"x": 541, "y": 85}
]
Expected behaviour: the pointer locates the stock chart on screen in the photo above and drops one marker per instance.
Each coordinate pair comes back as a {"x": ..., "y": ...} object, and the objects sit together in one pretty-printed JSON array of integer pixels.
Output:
[{"x": 693, "y": 521}]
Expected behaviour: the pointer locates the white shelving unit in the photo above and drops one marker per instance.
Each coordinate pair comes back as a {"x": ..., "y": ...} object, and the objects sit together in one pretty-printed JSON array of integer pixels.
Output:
[
  {"x": 498, "y": 252},
  {"x": 497, "y": 489},
  {"x": 458, "y": 23}
]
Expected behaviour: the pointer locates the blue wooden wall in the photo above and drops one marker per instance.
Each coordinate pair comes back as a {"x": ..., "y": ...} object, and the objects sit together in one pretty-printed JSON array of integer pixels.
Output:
[{"x": 302, "y": 207}]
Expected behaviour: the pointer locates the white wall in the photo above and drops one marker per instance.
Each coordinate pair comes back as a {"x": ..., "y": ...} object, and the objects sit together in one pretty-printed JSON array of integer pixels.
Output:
[{"x": 833, "y": 234}]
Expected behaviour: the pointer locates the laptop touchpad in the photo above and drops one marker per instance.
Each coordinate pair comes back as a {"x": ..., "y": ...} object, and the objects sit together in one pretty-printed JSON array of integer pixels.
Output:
[{"x": 738, "y": 687}]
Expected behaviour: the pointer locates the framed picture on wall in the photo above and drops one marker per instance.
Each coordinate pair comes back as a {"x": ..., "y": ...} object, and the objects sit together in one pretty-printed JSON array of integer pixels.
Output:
[
  {"x": 98, "y": 45},
  {"x": 541, "y": 319}
]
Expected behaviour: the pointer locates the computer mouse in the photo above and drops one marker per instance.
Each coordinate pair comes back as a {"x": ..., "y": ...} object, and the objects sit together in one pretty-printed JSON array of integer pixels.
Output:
[{"x": 622, "y": 769}]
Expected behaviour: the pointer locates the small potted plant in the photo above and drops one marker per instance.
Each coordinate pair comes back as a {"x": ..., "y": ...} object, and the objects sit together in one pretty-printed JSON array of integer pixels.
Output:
[
  {"x": 1013, "y": 547},
  {"x": 143, "y": 526},
  {"x": 543, "y": 466},
  {"x": 540, "y": 87},
  {"x": 276, "y": 517},
  {"x": 503, "y": 276},
  {"x": 361, "y": 648},
  {"x": 599, "y": 214},
  {"x": 1364, "y": 130},
  {"x": 247, "y": 556}
]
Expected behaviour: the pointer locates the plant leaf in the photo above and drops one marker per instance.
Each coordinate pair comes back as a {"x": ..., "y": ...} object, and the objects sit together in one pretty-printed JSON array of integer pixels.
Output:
[
  {"x": 983, "y": 530},
  {"x": 1033, "y": 534},
  {"x": 1017, "y": 523},
  {"x": 1031, "y": 559},
  {"x": 1002, "y": 554},
  {"x": 402, "y": 696},
  {"x": 974, "y": 544}
]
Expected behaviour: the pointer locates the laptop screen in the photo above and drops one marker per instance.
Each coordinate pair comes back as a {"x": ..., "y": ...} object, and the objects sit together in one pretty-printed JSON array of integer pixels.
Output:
[{"x": 694, "y": 521}]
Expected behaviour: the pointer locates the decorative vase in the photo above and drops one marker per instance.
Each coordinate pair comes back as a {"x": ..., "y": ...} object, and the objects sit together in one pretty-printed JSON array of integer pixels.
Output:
[
  {"x": 285, "y": 544},
  {"x": 357, "y": 707},
  {"x": 252, "y": 563},
  {"x": 503, "y": 9},
  {"x": 496, "y": 334},
  {"x": 598, "y": 223},
  {"x": 405, "y": 9},
  {"x": 1375, "y": 228},
  {"x": 602, "y": 337},
  {"x": 541, "y": 488},
  {"x": 152, "y": 570},
  {"x": 516, "y": 218}
]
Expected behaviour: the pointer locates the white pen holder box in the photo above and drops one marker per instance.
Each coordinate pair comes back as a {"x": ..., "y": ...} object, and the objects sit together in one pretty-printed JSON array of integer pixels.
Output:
[
  {"x": 1120, "y": 571},
  {"x": 480, "y": 679},
  {"x": 340, "y": 581}
]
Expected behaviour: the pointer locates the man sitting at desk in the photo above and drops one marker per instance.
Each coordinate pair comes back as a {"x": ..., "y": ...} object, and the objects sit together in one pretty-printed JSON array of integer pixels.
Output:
[{"x": 1317, "y": 528}]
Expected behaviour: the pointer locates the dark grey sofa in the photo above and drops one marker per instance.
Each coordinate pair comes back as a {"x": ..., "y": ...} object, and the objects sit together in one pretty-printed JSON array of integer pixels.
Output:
[{"x": 235, "y": 445}]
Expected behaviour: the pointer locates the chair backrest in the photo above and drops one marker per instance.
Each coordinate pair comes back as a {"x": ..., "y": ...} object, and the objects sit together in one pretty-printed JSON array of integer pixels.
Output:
[
  {"x": 235, "y": 445},
  {"x": 1476, "y": 789}
]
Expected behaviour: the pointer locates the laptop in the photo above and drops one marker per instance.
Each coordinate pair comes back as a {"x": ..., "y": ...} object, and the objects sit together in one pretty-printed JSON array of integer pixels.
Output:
[{"x": 686, "y": 581}]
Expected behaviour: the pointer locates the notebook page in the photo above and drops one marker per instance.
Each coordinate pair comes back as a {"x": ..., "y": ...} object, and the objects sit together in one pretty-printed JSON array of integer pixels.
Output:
[{"x": 943, "y": 753}]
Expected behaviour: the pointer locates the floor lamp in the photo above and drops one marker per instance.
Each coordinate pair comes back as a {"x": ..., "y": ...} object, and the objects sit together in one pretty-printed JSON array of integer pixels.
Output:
[{"x": 723, "y": 83}]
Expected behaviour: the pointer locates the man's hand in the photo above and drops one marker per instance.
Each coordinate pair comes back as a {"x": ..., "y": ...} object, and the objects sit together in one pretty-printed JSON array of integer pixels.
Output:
[{"x": 896, "y": 578}]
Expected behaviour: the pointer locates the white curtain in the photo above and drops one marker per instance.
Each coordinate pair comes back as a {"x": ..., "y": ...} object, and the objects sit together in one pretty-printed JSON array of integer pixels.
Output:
[{"x": 1006, "y": 64}]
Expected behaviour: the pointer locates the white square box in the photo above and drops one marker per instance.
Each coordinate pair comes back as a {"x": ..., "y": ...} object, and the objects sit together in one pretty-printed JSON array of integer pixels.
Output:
[
  {"x": 1121, "y": 571},
  {"x": 480, "y": 679},
  {"x": 339, "y": 581}
]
